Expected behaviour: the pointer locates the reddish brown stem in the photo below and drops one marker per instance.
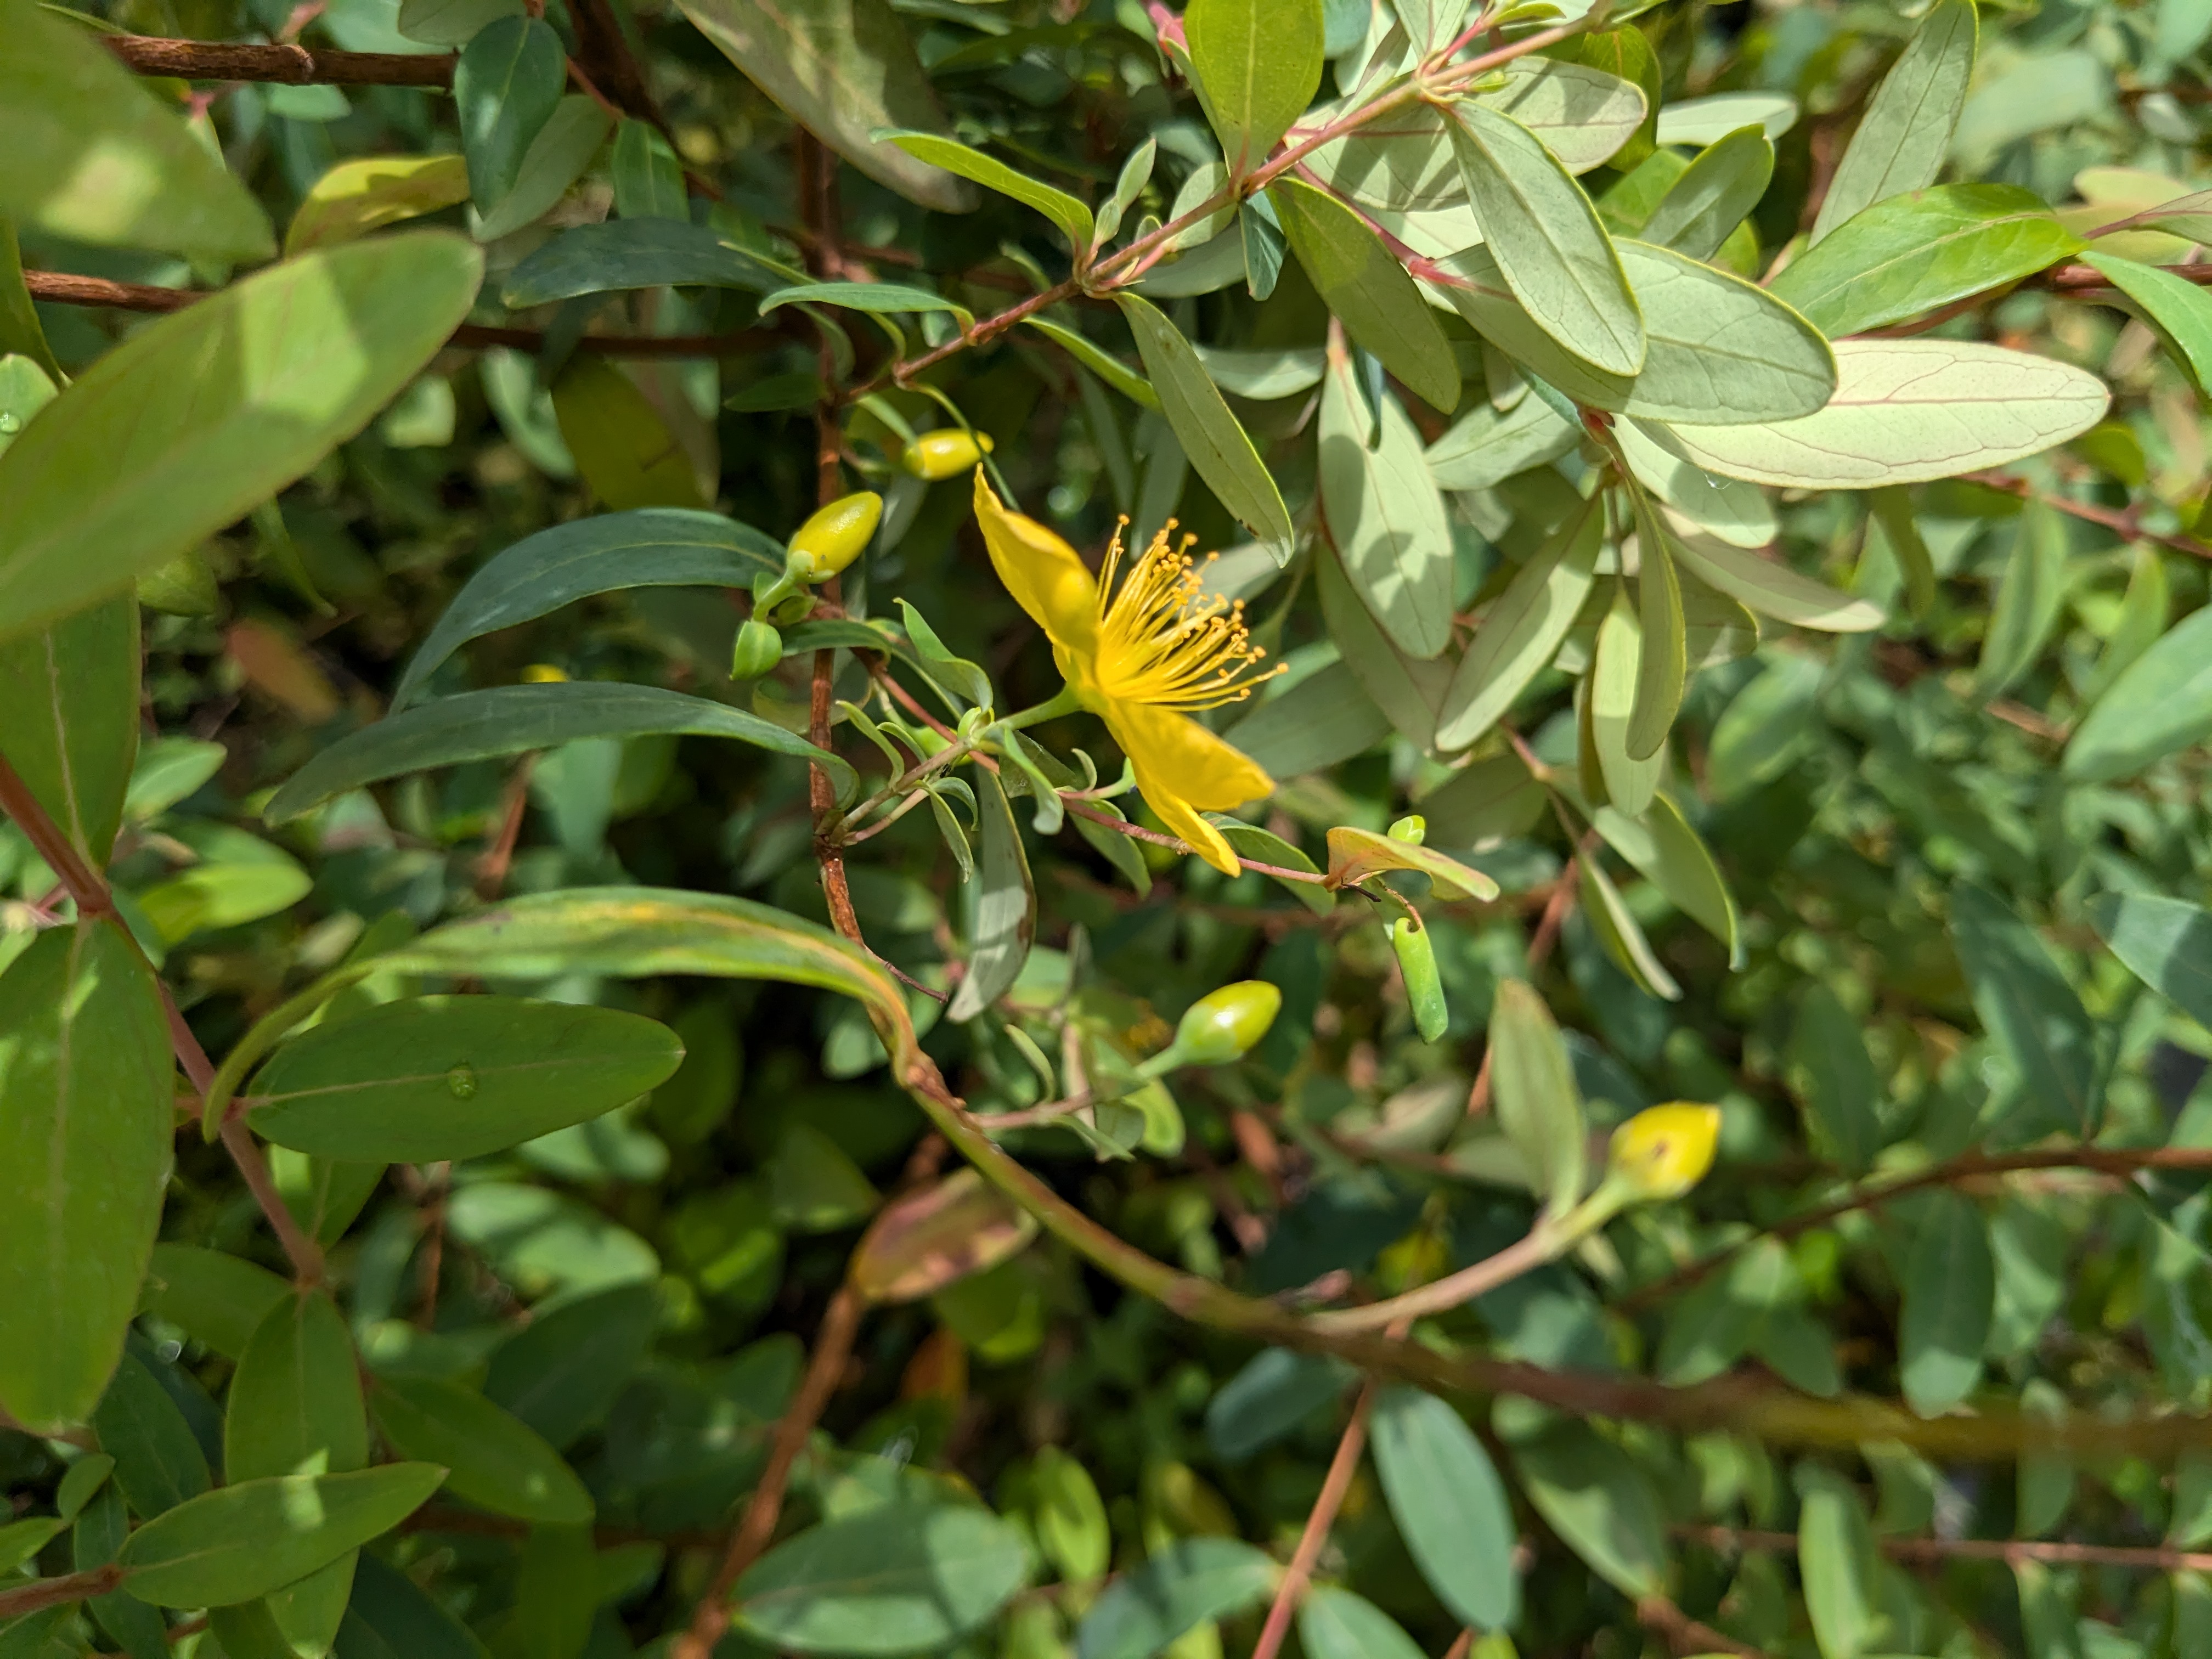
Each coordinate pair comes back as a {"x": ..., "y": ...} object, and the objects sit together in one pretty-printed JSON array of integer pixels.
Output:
[
  {"x": 499, "y": 857},
  {"x": 1334, "y": 1486},
  {"x": 2147, "y": 1557},
  {"x": 68, "y": 288},
  {"x": 2121, "y": 523},
  {"x": 833, "y": 1346},
  {"x": 53, "y": 1592},
  {"x": 1687, "y": 1636},
  {"x": 294, "y": 65}
]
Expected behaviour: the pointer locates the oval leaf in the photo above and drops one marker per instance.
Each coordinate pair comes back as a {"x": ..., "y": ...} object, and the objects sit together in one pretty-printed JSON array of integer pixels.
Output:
[
  {"x": 454, "y": 1077},
  {"x": 2160, "y": 704},
  {"x": 494, "y": 1459},
  {"x": 936, "y": 1235},
  {"x": 1385, "y": 517},
  {"x": 898, "y": 1579},
  {"x": 1449, "y": 1503},
  {"x": 184, "y": 427}
]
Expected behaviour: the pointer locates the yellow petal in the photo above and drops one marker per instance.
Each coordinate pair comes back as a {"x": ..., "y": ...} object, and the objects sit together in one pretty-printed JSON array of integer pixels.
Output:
[
  {"x": 1042, "y": 573},
  {"x": 1181, "y": 767}
]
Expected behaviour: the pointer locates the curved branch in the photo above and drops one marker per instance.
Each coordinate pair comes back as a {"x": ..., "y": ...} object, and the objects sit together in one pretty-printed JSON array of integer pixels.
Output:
[{"x": 294, "y": 65}]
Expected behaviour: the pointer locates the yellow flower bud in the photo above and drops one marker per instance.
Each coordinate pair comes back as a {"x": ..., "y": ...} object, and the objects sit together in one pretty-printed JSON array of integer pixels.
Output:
[
  {"x": 542, "y": 674},
  {"x": 833, "y": 537},
  {"x": 1223, "y": 1024},
  {"x": 1663, "y": 1151},
  {"x": 945, "y": 454}
]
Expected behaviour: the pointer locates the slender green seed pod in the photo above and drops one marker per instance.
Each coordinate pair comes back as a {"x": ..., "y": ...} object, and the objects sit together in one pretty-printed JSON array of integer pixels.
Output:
[{"x": 1424, "y": 990}]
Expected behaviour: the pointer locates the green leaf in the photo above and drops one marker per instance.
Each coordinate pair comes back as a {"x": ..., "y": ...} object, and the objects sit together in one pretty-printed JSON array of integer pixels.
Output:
[
  {"x": 493, "y": 1459},
  {"x": 390, "y": 1619},
  {"x": 71, "y": 693},
  {"x": 212, "y": 1297},
  {"x": 180, "y": 429},
  {"x": 1840, "y": 1567},
  {"x": 453, "y": 1076},
  {"x": 2164, "y": 943},
  {"x": 1324, "y": 719},
  {"x": 1728, "y": 509},
  {"x": 843, "y": 69},
  {"x": 1335, "y": 1624},
  {"x": 648, "y": 178},
  {"x": 1608, "y": 703},
  {"x": 2160, "y": 704},
  {"x": 1488, "y": 445},
  {"x": 506, "y": 82},
  {"x": 1716, "y": 346},
  {"x": 814, "y": 1186},
  {"x": 1764, "y": 727},
  {"x": 1773, "y": 589},
  {"x": 1906, "y": 130},
  {"x": 1710, "y": 119},
  {"x": 1672, "y": 855},
  {"x": 1005, "y": 907},
  {"x": 1360, "y": 281},
  {"x": 1386, "y": 519},
  {"x": 631, "y": 254},
  {"x": 560, "y": 1373},
  {"x": 1257, "y": 64},
  {"x": 1271, "y": 1395},
  {"x": 1249, "y": 840},
  {"x": 621, "y": 442},
  {"x": 1191, "y": 1581},
  {"x": 100, "y": 1532},
  {"x": 1622, "y": 935},
  {"x": 1663, "y": 660},
  {"x": 652, "y": 547},
  {"x": 1448, "y": 1503},
  {"x": 1524, "y": 628},
  {"x": 897, "y": 1579},
  {"x": 1713, "y": 194},
  {"x": 20, "y": 334},
  {"x": 2027, "y": 1005},
  {"x": 356, "y": 197},
  {"x": 1209, "y": 433},
  {"x": 92, "y": 157},
  {"x": 1408, "y": 690},
  {"x": 240, "y": 1542},
  {"x": 1064, "y": 210},
  {"x": 1100, "y": 362},
  {"x": 1600, "y": 1504},
  {"x": 158, "y": 1463},
  {"x": 887, "y": 298},
  {"x": 2028, "y": 600},
  {"x": 1539, "y": 1108},
  {"x": 1546, "y": 238},
  {"x": 2176, "y": 308},
  {"x": 1908, "y": 411},
  {"x": 556, "y": 158},
  {"x": 1071, "y": 1517},
  {"x": 249, "y": 1630},
  {"x": 1833, "y": 1078},
  {"x": 512, "y": 719},
  {"x": 1950, "y": 1294},
  {"x": 85, "y": 1121},
  {"x": 1911, "y": 253}
]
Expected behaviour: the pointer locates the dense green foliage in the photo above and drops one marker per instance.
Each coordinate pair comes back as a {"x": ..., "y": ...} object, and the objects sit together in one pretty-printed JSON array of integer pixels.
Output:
[{"x": 634, "y": 1017}]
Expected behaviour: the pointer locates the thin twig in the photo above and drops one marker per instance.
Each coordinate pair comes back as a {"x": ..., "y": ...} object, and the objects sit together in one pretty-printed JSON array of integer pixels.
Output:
[
  {"x": 1687, "y": 1635},
  {"x": 68, "y": 288},
  {"x": 833, "y": 1346},
  {"x": 1291, "y": 1588},
  {"x": 294, "y": 65},
  {"x": 2149, "y": 1558},
  {"x": 2124, "y": 524},
  {"x": 53, "y": 1592},
  {"x": 1137, "y": 832}
]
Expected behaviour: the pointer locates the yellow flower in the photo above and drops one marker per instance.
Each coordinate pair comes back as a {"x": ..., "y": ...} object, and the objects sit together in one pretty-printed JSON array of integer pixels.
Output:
[
  {"x": 1141, "y": 656},
  {"x": 1664, "y": 1151}
]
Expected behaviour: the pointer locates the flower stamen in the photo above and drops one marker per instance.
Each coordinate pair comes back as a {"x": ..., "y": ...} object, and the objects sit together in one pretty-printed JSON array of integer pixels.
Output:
[{"x": 1164, "y": 641}]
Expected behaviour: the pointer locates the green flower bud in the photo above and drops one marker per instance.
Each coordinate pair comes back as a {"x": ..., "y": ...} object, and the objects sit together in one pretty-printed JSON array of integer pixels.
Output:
[
  {"x": 1664, "y": 1151},
  {"x": 1424, "y": 989},
  {"x": 945, "y": 454},
  {"x": 1412, "y": 829},
  {"x": 1223, "y": 1024},
  {"x": 835, "y": 537},
  {"x": 759, "y": 648}
]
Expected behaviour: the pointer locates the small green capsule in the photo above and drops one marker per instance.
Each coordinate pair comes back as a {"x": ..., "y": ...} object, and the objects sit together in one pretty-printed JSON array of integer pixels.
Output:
[
  {"x": 1412, "y": 829},
  {"x": 1223, "y": 1025},
  {"x": 945, "y": 454},
  {"x": 1424, "y": 991},
  {"x": 758, "y": 649},
  {"x": 835, "y": 537}
]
